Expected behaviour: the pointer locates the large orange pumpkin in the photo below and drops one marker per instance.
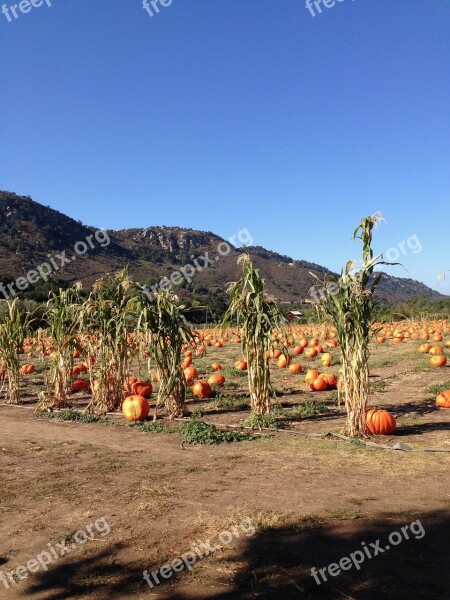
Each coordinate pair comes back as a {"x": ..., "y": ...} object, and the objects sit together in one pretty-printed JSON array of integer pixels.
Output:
[
  {"x": 135, "y": 408},
  {"x": 380, "y": 422},
  {"x": 443, "y": 399},
  {"x": 202, "y": 389},
  {"x": 438, "y": 361}
]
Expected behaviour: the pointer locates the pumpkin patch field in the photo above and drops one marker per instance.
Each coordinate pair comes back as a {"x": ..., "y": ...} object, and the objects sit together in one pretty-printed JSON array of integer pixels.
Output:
[{"x": 167, "y": 474}]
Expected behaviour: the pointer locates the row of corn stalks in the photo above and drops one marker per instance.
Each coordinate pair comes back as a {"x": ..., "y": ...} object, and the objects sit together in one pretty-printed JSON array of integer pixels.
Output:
[{"x": 118, "y": 323}]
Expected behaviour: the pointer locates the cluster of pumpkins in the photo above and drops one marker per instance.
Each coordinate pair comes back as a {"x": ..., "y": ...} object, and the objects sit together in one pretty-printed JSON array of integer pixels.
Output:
[{"x": 429, "y": 332}]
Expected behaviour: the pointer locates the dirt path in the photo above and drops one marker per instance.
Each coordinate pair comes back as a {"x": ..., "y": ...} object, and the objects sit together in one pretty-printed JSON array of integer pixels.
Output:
[{"x": 312, "y": 501}]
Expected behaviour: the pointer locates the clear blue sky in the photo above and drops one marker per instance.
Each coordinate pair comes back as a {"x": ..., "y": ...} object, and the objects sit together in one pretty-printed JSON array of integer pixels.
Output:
[{"x": 225, "y": 114}]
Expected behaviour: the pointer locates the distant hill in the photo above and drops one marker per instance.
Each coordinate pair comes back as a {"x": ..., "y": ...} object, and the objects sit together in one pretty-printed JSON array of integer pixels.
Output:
[{"x": 31, "y": 233}]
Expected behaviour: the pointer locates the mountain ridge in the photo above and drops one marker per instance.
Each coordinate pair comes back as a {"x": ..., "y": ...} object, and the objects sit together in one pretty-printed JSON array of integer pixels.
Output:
[{"x": 30, "y": 233}]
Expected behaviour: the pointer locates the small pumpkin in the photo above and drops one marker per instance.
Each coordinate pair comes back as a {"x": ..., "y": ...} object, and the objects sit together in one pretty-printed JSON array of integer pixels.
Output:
[
  {"x": 190, "y": 374},
  {"x": 311, "y": 375},
  {"x": 311, "y": 352},
  {"x": 79, "y": 385},
  {"x": 241, "y": 365},
  {"x": 424, "y": 348},
  {"x": 283, "y": 361},
  {"x": 380, "y": 422},
  {"x": 186, "y": 362},
  {"x": 330, "y": 379},
  {"x": 142, "y": 388},
  {"x": 443, "y": 399},
  {"x": 135, "y": 408},
  {"x": 326, "y": 359},
  {"x": 319, "y": 384},
  {"x": 128, "y": 384},
  {"x": 435, "y": 350},
  {"x": 27, "y": 369},
  {"x": 215, "y": 366},
  {"x": 295, "y": 368},
  {"x": 216, "y": 379}
]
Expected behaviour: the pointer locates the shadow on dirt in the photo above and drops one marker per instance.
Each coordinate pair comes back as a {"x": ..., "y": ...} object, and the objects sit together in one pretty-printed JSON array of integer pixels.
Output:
[{"x": 276, "y": 564}]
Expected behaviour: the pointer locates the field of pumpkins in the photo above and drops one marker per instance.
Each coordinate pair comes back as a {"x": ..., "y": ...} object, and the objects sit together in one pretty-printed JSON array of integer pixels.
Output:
[{"x": 304, "y": 364}]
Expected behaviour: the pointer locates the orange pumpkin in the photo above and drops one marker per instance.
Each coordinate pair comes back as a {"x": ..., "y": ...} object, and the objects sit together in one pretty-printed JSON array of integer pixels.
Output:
[
  {"x": 129, "y": 382},
  {"x": 240, "y": 365},
  {"x": 438, "y": 361},
  {"x": 135, "y": 408},
  {"x": 190, "y": 374},
  {"x": 295, "y": 368},
  {"x": 443, "y": 399},
  {"x": 142, "y": 388},
  {"x": 202, "y": 389},
  {"x": 27, "y": 369},
  {"x": 311, "y": 352},
  {"x": 216, "y": 379},
  {"x": 78, "y": 369},
  {"x": 186, "y": 362},
  {"x": 326, "y": 359},
  {"x": 283, "y": 361},
  {"x": 215, "y": 366},
  {"x": 330, "y": 379},
  {"x": 380, "y": 422},
  {"x": 424, "y": 348},
  {"x": 298, "y": 350},
  {"x": 79, "y": 385},
  {"x": 319, "y": 384},
  {"x": 311, "y": 375},
  {"x": 435, "y": 350}
]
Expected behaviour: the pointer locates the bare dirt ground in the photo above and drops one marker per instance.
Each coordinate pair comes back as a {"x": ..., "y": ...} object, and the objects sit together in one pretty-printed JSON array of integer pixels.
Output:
[{"x": 313, "y": 501}]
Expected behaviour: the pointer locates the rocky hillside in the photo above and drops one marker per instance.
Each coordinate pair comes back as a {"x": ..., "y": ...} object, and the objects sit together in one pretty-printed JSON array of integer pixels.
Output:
[{"x": 31, "y": 233}]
